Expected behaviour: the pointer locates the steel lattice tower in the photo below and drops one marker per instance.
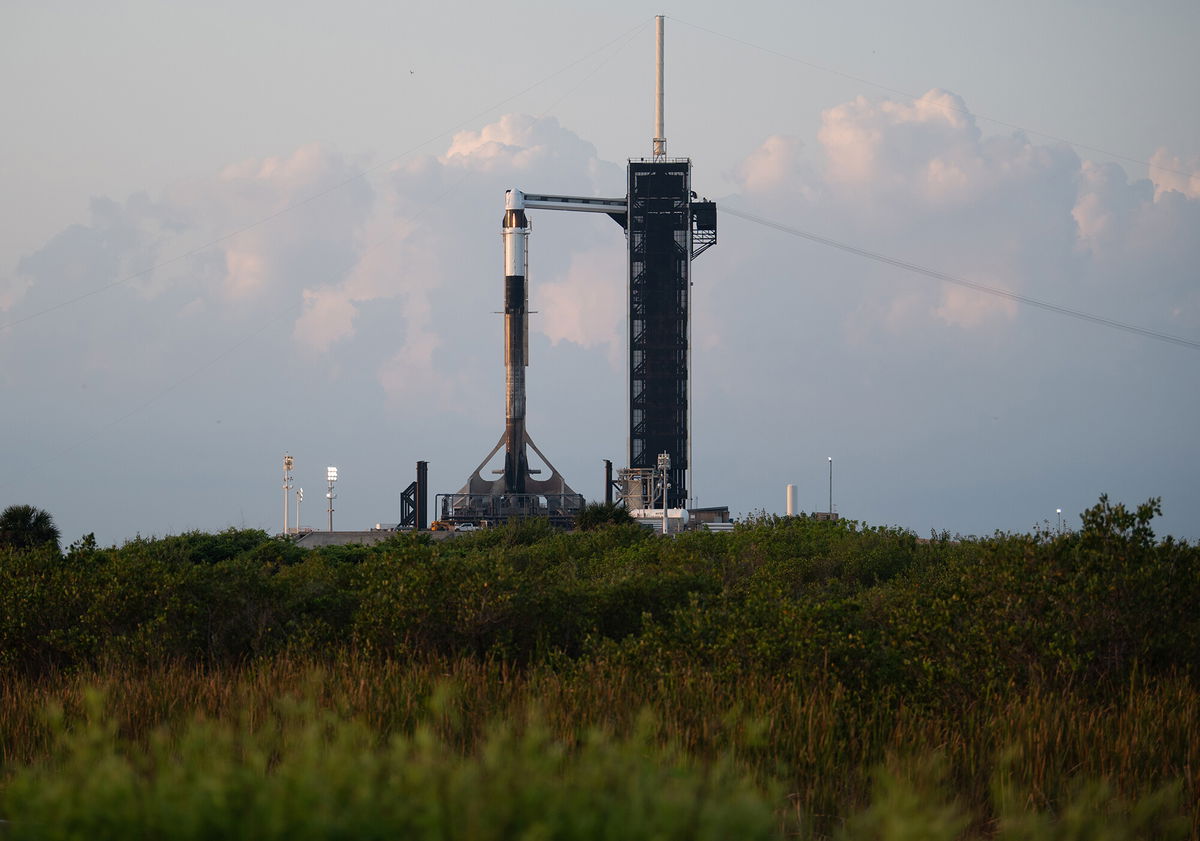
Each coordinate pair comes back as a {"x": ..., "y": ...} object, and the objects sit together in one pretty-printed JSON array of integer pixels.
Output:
[{"x": 659, "y": 236}]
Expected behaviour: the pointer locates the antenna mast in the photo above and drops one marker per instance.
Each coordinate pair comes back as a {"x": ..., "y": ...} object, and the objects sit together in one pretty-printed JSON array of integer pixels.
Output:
[{"x": 660, "y": 140}]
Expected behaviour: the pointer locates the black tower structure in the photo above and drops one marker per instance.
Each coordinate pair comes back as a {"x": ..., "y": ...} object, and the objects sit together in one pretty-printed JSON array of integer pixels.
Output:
[
  {"x": 414, "y": 501},
  {"x": 665, "y": 229},
  {"x": 659, "y": 230}
]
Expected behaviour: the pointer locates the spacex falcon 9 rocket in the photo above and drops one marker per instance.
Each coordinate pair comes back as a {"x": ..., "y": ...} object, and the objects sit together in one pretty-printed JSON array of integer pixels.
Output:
[{"x": 516, "y": 345}]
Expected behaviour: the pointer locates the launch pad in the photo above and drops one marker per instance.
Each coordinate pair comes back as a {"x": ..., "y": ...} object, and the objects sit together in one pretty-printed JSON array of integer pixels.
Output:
[{"x": 666, "y": 227}]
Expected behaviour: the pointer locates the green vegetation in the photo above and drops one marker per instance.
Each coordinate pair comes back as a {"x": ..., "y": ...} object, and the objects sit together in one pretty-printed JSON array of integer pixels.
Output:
[
  {"x": 792, "y": 678},
  {"x": 599, "y": 514},
  {"x": 26, "y": 527}
]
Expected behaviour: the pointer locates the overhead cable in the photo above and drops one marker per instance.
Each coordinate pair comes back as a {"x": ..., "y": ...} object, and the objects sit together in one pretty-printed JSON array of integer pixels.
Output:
[{"x": 969, "y": 284}]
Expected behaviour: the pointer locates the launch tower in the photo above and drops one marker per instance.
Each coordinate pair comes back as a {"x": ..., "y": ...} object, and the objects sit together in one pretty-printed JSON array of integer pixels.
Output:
[{"x": 665, "y": 229}]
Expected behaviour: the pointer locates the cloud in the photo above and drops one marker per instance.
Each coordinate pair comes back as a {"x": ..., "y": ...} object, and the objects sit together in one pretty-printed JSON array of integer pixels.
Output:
[
  {"x": 919, "y": 181},
  {"x": 777, "y": 164},
  {"x": 519, "y": 143},
  {"x": 412, "y": 374},
  {"x": 120, "y": 241},
  {"x": 426, "y": 250},
  {"x": 1173, "y": 172},
  {"x": 314, "y": 240},
  {"x": 12, "y": 290},
  {"x": 328, "y": 316},
  {"x": 587, "y": 307},
  {"x": 1140, "y": 244},
  {"x": 928, "y": 145}
]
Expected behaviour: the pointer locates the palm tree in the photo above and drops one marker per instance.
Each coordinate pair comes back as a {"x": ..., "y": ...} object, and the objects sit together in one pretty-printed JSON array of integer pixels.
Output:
[
  {"x": 25, "y": 527},
  {"x": 599, "y": 514}
]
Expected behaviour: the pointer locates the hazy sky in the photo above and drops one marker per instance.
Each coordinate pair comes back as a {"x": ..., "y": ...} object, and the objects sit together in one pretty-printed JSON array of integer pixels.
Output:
[{"x": 234, "y": 229}]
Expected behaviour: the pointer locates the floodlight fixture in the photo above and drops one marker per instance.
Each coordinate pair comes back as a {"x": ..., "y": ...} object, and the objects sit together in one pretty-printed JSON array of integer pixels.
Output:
[{"x": 331, "y": 476}]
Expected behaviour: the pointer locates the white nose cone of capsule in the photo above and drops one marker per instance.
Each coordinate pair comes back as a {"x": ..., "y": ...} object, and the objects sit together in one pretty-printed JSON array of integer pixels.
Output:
[{"x": 516, "y": 231}]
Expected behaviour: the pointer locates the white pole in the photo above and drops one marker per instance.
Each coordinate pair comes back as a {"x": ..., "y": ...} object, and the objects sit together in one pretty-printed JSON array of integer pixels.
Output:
[
  {"x": 791, "y": 500},
  {"x": 331, "y": 477},
  {"x": 664, "y": 464},
  {"x": 831, "y": 486},
  {"x": 660, "y": 141},
  {"x": 664, "y": 501},
  {"x": 287, "y": 486}
]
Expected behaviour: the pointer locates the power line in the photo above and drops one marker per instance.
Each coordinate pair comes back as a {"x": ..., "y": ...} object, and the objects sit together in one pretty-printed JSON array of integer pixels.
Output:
[
  {"x": 969, "y": 284},
  {"x": 632, "y": 33},
  {"x": 361, "y": 174},
  {"x": 915, "y": 98}
]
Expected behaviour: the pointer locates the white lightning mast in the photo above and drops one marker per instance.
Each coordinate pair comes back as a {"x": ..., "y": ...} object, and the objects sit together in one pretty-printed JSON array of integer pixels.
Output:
[{"x": 660, "y": 139}]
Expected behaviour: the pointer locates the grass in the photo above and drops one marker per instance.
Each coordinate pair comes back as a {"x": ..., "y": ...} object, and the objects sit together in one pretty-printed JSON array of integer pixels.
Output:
[{"x": 797, "y": 757}]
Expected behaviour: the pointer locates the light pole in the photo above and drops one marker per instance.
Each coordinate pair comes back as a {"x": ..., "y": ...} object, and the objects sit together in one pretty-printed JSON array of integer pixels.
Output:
[
  {"x": 288, "y": 461},
  {"x": 299, "y": 499},
  {"x": 831, "y": 487},
  {"x": 1059, "y": 510},
  {"x": 331, "y": 476},
  {"x": 664, "y": 464}
]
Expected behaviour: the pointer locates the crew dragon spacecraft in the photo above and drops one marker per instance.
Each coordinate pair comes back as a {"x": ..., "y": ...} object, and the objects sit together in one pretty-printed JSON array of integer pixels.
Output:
[{"x": 666, "y": 228}]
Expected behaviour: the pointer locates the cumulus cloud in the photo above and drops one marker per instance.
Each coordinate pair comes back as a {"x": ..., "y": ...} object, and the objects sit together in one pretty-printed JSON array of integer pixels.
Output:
[
  {"x": 928, "y": 145},
  {"x": 318, "y": 240},
  {"x": 1174, "y": 172},
  {"x": 12, "y": 290},
  {"x": 520, "y": 143},
  {"x": 433, "y": 249},
  {"x": 312, "y": 231},
  {"x": 328, "y": 316},
  {"x": 777, "y": 164},
  {"x": 121, "y": 241},
  {"x": 587, "y": 307},
  {"x": 919, "y": 180}
]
